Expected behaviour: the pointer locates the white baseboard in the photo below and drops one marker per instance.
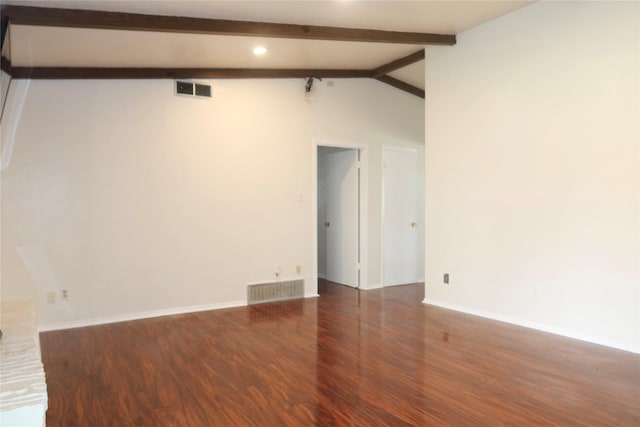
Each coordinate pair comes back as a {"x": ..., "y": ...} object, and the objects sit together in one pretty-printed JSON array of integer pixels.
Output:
[
  {"x": 534, "y": 325},
  {"x": 138, "y": 316},
  {"x": 371, "y": 286},
  {"x": 146, "y": 315},
  {"x": 398, "y": 284}
]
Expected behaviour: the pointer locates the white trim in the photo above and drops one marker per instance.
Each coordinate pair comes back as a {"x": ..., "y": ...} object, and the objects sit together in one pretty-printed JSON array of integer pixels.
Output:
[
  {"x": 148, "y": 314},
  {"x": 399, "y": 284},
  {"x": 372, "y": 286},
  {"x": 138, "y": 316},
  {"x": 534, "y": 325},
  {"x": 364, "y": 205}
]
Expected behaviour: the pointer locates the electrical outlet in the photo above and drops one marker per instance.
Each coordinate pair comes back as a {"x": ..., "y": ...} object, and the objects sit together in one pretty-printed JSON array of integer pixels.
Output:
[
  {"x": 51, "y": 297},
  {"x": 65, "y": 294},
  {"x": 298, "y": 269},
  {"x": 445, "y": 278}
]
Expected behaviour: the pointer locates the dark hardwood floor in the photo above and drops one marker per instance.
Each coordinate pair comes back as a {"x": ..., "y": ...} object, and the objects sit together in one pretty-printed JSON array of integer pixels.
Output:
[{"x": 374, "y": 358}]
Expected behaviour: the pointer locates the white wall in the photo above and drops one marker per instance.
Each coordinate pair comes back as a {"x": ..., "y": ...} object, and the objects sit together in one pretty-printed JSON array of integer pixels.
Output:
[
  {"x": 138, "y": 201},
  {"x": 532, "y": 160}
]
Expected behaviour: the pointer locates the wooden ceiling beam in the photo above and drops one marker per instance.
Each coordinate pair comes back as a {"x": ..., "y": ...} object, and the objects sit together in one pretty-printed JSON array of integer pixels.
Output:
[
  {"x": 60, "y": 73},
  {"x": 53, "y": 17},
  {"x": 178, "y": 73},
  {"x": 398, "y": 63},
  {"x": 399, "y": 84}
]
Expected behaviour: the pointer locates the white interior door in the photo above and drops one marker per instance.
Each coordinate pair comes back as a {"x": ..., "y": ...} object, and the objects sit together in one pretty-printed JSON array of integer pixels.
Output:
[
  {"x": 401, "y": 228},
  {"x": 341, "y": 208}
]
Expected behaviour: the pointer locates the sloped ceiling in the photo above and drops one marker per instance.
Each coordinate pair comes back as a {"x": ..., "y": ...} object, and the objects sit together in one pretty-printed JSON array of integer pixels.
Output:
[{"x": 60, "y": 46}]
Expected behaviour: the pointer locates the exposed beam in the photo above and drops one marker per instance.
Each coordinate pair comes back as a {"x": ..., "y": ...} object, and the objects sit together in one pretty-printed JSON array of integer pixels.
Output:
[
  {"x": 398, "y": 84},
  {"x": 202, "y": 73},
  {"x": 398, "y": 63},
  {"x": 27, "y": 15},
  {"x": 173, "y": 73}
]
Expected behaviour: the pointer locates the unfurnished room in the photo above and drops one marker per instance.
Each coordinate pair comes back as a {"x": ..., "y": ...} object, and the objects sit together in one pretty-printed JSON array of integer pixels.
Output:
[{"x": 319, "y": 213}]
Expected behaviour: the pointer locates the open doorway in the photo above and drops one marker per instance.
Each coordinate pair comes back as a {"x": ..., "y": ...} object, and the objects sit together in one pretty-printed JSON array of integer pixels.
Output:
[{"x": 340, "y": 212}]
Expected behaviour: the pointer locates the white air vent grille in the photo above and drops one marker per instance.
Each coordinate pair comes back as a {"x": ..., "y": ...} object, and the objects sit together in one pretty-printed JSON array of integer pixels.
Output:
[
  {"x": 275, "y": 291},
  {"x": 193, "y": 89}
]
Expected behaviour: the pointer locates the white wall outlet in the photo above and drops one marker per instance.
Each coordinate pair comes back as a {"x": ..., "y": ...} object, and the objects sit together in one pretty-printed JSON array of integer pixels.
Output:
[
  {"x": 298, "y": 269},
  {"x": 51, "y": 297},
  {"x": 65, "y": 294}
]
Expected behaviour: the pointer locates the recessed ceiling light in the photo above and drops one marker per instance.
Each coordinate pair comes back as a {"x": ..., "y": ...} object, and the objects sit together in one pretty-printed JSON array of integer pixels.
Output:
[{"x": 260, "y": 50}]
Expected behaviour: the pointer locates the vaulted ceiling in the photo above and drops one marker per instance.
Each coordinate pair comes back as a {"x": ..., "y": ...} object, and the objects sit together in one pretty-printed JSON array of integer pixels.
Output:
[{"x": 212, "y": 39}]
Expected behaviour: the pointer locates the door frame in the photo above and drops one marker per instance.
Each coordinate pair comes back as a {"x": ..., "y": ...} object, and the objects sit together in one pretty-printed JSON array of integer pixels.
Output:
[
  {"x": 363, "y": 202},
  {"x": 382, "y": 204}
]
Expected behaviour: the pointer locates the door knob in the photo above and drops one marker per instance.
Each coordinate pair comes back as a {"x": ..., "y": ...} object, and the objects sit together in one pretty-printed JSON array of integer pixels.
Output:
[
  {"x": 414, "y": 225},
  {"x": 327, "y": 224}
]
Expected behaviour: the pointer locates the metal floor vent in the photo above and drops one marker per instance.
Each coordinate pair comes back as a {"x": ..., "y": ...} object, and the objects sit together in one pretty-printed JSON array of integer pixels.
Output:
[{"x": 275, "y": 291}]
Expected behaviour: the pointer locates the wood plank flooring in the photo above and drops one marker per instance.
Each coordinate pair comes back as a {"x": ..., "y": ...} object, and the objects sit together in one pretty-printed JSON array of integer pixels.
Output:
[{"x": 374, "y": 358}]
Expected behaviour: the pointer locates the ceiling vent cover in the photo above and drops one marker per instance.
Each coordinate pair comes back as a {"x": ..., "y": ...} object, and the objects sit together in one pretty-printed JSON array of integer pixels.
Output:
[{"x": 193, "y": 89}]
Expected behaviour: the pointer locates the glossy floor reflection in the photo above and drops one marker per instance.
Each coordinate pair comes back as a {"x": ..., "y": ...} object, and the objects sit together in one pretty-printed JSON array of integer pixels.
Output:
[{"x": 369, "y": 358}]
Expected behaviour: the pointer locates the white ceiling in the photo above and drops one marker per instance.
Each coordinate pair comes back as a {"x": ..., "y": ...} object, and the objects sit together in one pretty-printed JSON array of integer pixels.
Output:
[
  {"x": 50, "y": 46},
  {"x": 449, "y": 17},
  {"x": 74, "y": 47}
]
